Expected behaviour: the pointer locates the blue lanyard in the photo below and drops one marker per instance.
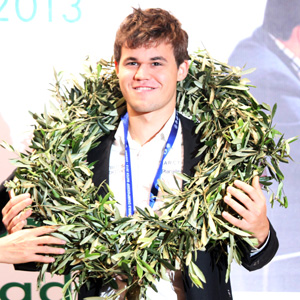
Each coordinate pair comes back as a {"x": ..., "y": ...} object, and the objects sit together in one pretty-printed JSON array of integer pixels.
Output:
[{"x": 128, "y": 175}]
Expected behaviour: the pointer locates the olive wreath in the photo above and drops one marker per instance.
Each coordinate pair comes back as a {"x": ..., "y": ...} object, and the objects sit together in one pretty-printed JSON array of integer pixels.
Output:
[{"x": 239, "y": 141}]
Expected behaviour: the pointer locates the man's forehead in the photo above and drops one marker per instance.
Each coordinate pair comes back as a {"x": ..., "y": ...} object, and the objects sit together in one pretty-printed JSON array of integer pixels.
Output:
[
  {"x": 151, "y": 43},
  {"x": 151, "y": 51}
]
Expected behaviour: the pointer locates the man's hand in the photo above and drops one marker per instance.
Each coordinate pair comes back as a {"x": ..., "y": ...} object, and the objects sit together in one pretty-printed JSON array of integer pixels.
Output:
[
  {"x": 27, "y": 246},
  {"x": 14, "y": 218},
  {"x": 252, "y": 208}
]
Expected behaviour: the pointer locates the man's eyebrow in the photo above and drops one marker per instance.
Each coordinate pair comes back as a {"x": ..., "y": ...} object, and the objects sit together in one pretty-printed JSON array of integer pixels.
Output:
[
  {"x": 155, "y": 58},
  {"x": 158, "y": 58},
  {"x": 131, "y": 58}
]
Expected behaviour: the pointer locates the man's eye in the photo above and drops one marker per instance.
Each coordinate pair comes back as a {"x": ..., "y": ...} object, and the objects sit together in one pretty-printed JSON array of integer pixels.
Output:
[
  {"x": 132, "y": 63},
  {"x": 156, "y": 64}
]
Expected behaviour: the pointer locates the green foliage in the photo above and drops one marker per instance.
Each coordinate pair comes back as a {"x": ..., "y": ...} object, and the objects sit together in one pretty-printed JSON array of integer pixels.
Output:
[{"x": 238, "y": 141}]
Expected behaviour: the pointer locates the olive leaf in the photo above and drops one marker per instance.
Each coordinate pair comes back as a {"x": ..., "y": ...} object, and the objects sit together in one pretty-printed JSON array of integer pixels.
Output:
[{"x": 238, "y": 142}]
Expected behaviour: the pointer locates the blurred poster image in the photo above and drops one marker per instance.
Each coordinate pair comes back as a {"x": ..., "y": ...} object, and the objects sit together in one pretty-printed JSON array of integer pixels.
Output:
[{"x": 274, "y": 50}]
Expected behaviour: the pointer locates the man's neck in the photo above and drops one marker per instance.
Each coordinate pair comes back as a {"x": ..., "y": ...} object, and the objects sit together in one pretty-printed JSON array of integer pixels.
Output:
[
  {"x": 293, "y": 43},
  {"x": 144, "y": 127}
]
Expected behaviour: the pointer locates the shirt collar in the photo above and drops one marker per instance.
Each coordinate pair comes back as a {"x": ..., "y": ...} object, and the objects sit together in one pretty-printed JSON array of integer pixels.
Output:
[
  {"x": 162, "y": 135},
  {"x": 294, "y": 60}
]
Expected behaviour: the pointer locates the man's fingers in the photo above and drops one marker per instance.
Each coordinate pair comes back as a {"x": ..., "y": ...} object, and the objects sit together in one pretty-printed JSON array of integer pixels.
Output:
[
  {"x": 15, "y": 215},
  {"x": 17, "y": 227},
  {"x": 49, "y": 250},
  {"x": 253, "y": 192},
  {"x": 42, "y": 259},
  {"x": 43, "y": 230},
  {"x": 250, "y": 204},
  {"x": 237, "y": 207},
  {"x": 42, "y": 237},
  {"x": 15, "y": 200},
  {"x": 50, "y": 240},
  {"x": 231, "y": 219},
  {"x": 31, "y": 245},
  {"x": 17, "y": 222},
  {"x": 256, "y": 185},
  {"x": 248, "y": 189},
  {"x": 240, "y": 196},
  {"x": 11, "y": 193},
  {"x": 15, "y": 205}
]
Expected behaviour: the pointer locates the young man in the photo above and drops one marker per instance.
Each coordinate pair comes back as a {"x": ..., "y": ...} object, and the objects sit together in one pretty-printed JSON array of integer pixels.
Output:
[{"x": 151, "y": 57}]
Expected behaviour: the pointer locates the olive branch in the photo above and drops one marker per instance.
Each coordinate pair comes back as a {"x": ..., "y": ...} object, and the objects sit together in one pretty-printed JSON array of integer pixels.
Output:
[{"x": 239, "y": 141}]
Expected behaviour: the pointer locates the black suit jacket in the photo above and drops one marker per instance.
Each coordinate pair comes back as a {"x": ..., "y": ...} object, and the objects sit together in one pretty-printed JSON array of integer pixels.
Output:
[{"x": 212, "y": 263}]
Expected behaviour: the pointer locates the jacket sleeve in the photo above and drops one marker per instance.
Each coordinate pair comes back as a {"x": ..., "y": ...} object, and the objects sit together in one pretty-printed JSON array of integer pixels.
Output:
[{"x": 259, "y": 260}]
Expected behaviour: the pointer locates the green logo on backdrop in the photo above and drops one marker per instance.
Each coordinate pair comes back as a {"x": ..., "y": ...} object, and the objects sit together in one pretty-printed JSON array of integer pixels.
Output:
[{"x": 26, "y": 287}]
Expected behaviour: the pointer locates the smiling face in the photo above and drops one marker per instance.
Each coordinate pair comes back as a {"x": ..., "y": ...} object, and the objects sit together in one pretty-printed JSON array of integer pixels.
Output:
[{"x": 148, "y": 79}]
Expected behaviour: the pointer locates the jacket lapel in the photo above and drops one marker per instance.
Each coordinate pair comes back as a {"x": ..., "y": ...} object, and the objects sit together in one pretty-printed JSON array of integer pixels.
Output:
[{"x": 191, "y": 144}]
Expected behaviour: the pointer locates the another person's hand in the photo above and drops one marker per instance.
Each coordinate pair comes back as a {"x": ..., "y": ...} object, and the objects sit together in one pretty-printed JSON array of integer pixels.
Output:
[
  {"x": 28, "y": 245},
  {"x": 14, "y": 216},
  {"x": 252, "y": 208}
]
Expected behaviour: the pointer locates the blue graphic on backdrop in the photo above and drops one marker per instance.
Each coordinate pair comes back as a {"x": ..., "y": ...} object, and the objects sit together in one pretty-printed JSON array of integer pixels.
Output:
[{"x": 73, "y": 9}]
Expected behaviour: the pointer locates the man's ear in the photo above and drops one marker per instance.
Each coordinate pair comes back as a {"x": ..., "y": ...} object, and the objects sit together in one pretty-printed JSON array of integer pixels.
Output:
[
  {"x": 182, "y": 70},
  {"x": 117, "y": 68}
]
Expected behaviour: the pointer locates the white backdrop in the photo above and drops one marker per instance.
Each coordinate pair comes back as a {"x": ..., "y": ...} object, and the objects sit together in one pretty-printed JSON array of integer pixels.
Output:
[
  {"x": 31, "y": 49},
  {"x": 39, "y": 35}
]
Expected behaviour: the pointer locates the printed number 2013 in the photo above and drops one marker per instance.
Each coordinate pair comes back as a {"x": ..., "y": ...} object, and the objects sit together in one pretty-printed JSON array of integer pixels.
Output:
[{"x": 74, "y": 6}]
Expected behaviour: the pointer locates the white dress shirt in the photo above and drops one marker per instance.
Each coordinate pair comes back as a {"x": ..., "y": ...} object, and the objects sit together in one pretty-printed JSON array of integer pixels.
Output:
[{"x": 145, "y": 161}]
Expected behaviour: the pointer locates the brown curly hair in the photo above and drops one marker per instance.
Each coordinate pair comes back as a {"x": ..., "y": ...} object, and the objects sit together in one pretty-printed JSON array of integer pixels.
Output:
[{"x": 149, "y": 28}]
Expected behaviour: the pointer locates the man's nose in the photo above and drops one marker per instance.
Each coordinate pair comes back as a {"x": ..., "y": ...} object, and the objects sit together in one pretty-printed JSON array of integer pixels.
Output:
[{"x": 142, "y": 73}]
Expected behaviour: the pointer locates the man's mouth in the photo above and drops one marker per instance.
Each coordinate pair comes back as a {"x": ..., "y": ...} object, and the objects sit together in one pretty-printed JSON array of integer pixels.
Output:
[{"x": 143, "y": 88}]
